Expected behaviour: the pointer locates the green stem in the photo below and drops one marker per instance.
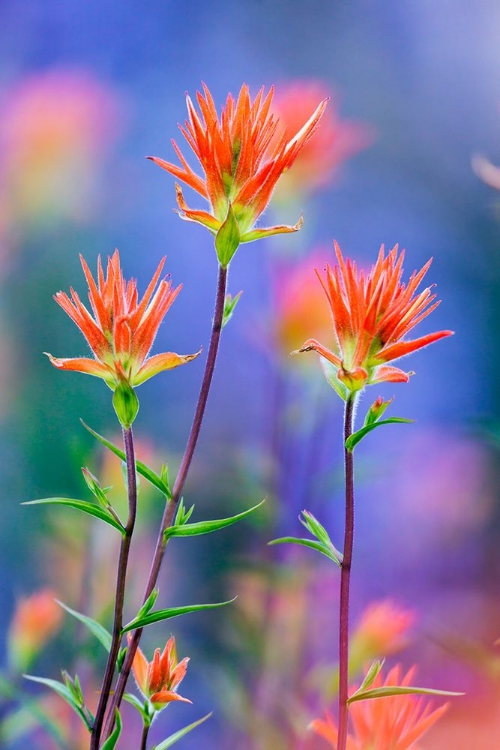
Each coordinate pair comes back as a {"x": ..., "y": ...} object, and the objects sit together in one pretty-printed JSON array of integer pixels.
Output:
[
  {"x": 171, "y": 506},
  {"x": 345, "y": 577},
  {"x": 128, "y": 440}
]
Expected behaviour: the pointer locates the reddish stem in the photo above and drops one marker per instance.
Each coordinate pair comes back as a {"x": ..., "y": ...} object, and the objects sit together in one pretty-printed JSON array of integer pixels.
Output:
[
  {"x": 345, "y": 577},
  {"x": 171, "y": 506},
  {"x": 128, "y": 440}
]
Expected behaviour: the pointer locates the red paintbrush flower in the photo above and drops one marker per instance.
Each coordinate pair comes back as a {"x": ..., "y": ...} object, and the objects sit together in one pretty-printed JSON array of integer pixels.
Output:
[
  {"x": 159, "y": 679},
  {"x": 372, "y": 313},
  {"x": 390, "y": 723},
  {"x": 122, "y": 329},
  {"x": 240, "y": 158}
]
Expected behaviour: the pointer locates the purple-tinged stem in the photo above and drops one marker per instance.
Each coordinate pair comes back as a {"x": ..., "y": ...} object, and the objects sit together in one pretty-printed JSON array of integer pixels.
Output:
[
  {"x": 345, "y": 577},
  {"x": 128, "y": 440},
  {"x": 171, "y": 506}
]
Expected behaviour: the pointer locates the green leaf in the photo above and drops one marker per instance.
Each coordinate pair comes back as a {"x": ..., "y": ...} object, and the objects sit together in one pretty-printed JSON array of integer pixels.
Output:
[
  {"x": 166, "y": 614},
  {"x": 64, "y": 692},
  {"x": 182, "y": 515},
  {"x": 370, "y": 676},
  {"x": 336, "y": 556},
  {"x": 84, "y": 506},
  {"x": 140, "y": 705},
  {"x": 229, "y": 306},
  {"x": 125, "y": 404},
  {"x": 177, "y": 735},
  {"x": 312, "y": 524},
  {"x": 227, "y": 239},
  {"x": 100, "y": 632},
  {"x": 376, "y": 410},
  {"x": 149, "y": 603},
  {"x": 388, "y": 690},
  {"x": 142, "y": 469},
  {"x": 356, "y": 437},
  {"x": 330, "y": 373},
  {"x": 206, "y": 527},
  {"x": 110, "y": 743}
]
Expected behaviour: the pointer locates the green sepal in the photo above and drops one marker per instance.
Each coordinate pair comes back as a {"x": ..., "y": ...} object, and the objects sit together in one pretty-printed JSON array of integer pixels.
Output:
[
  {"x": 177, "y": 735},
  {"x": 389, "y": 690},
  {"x": 166, "y": 614},
  {"x": 206, "y": 527},
  {"x": 318, "y": 546},
  {"x": 100, "y": 632},
  {"x": 67, "y": 694},
  {"x": 330, "y": 373},
  {"x": 93, "y": 510},
  {"x": 125, "y": 404},
  {"x": 229, "y": 306},
  {"x": 227, "y": 239},
  {"x": 356, "y": 437},
  {"x": 110, "y": 743},
  {"x": 142, "y": 469}
]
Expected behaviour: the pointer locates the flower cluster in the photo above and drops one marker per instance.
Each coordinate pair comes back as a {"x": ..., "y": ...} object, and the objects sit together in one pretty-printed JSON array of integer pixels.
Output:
[
  {"x": 122, "y": 330},
  {"x": 240, "y": 159},
  {"x": 159, "y": 679},
  {"x": 372, "y": 313}
]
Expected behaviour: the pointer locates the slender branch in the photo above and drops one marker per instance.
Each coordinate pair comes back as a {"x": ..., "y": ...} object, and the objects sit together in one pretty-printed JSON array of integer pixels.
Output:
[
  {"x": 128, "y": 440},
  {"x": 345, "y": 577},
  {"x": 144, "y": 736},
  {"x": 171, "y": 506}
]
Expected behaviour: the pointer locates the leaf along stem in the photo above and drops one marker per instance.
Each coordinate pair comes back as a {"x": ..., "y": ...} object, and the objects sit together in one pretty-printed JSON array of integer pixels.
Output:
[
  {"x": 171, "y": 506},
  {"x": 128, "y": 440},
  {"x": 345, "y": 576}
]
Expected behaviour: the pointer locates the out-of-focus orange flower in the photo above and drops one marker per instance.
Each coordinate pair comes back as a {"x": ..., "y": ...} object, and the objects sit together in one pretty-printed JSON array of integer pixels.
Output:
[
  {"x": 36, "y": 619},
  {"x": 371, "y": 315},
  {"x": 390, "y": 723},
  {"x": 122, "y": 331},
  {"x": 335, "y": 142},
  {"x": 299, "y": 310},
  {"x": 55, "y": 126},
  {"x": 159, "y": 679},
  {"x": 240, "y": 160},
  {"x": 381, "y": 631}
]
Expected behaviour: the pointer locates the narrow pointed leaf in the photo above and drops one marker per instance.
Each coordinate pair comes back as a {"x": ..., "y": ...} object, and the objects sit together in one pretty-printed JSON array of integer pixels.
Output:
[
  {"x": 64, "y": 692},
  {"x": 167, "y": 614},
  {"x": 315, "y": 527},
  {"x": 336, "y": 556},
  {"x": 177, "y": 735},
  {"x": 206, "y": 527},
  {"x": 370, "y": 676},
  {"x": 149, "y": 603},
  {"x": 388, "y": 690},
  {"x": 100, "y": 632},
  {"x": 356, "y": 437},
  {"x": 93, "y": 510},
  {"x": 141, "y": 467},
  {"x": 110, "y": 743}
]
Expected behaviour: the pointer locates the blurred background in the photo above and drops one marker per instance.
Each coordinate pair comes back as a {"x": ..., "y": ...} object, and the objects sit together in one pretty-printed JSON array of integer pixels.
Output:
[{"x": 407, "y": 154}]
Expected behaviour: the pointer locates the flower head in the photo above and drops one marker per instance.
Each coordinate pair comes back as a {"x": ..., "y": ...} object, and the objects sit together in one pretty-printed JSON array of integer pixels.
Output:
[
  {"x": 372, "y": 313},
  {"x": 381, "y": 631},
  {"x": 240, "y": 160},
  {"x": 159, "y": 679},
  {"x": 389, "y": 723},
  {"x": 122, "y": 329}
]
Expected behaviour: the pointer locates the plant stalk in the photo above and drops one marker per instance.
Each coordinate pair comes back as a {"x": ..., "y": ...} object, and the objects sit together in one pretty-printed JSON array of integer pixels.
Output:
[
  {"x": 171, "y": 506},
  {"x": 345, "y": 577},
  {"x": 128, "y": 440}
]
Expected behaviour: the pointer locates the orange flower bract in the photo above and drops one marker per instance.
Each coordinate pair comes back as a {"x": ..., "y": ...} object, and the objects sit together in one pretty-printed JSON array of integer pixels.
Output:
[
  {"x": 122, "y": 329},
  {"x": 159, "y": 679},
  {"x": 389, "y": 723},
  {"x": 240, "y": 158},
  {"x": 372, "y": 313}
]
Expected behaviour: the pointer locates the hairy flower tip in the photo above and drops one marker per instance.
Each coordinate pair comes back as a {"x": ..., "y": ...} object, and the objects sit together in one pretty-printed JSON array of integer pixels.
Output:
[
  {"x": 372, "y": 314},
  {"x": 121, "y": 329},
  {"x": 240, "y": 157},
  {"x": 159, "y": 679},
  {"x": 389, "y": 723}
]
